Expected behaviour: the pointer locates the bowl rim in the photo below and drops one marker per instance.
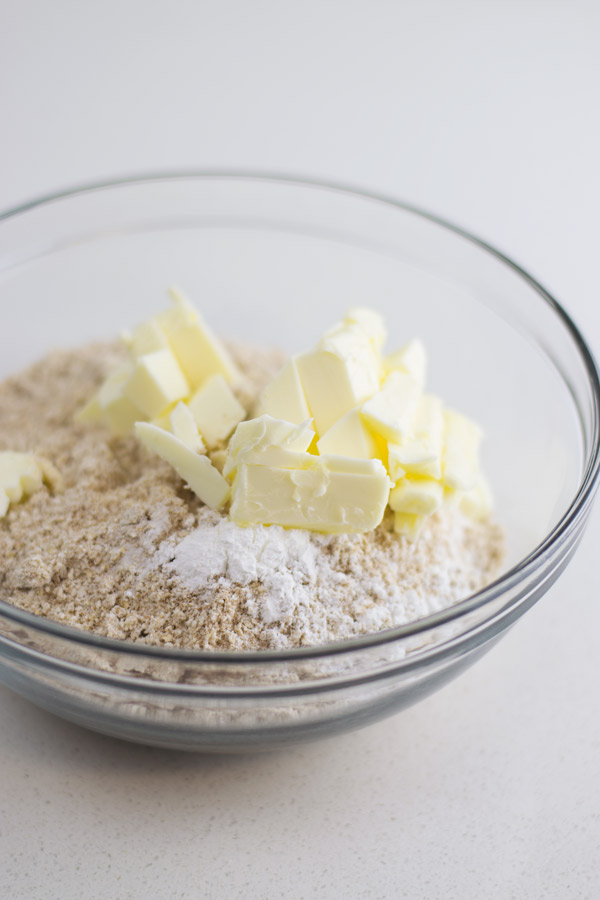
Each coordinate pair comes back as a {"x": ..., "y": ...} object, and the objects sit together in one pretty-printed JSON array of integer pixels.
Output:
[{"x": 524, "y": 568}]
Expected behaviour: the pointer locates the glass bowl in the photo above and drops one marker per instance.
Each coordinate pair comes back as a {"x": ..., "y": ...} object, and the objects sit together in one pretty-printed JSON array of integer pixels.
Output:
[{"x": 273, "y": 262}]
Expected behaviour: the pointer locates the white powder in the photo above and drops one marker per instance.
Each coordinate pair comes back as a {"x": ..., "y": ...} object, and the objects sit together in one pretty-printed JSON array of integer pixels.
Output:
[{"x": 299, "y": 588}]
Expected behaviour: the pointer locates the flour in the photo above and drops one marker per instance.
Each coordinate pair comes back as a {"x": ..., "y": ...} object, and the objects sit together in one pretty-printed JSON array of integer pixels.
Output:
[
  {"x": 126, "y": 551},
  {"x": 304, "y": 588}
]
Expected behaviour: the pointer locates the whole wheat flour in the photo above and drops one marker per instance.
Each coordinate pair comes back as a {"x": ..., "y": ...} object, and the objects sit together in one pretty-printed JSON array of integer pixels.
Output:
[{"x": 126, "y": 551}]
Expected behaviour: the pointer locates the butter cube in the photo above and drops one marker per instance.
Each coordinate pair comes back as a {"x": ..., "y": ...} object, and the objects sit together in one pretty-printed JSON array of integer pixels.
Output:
[
  {"x": 196, "y": 470},
  {"x": 283, "y": 397},
  {"x": 421, "y": 452},
  {"x": 419, "y": 496},
  {"x": 390, "y": 411},
  {"x": 11, "y": 481},
  {"x": 462, "y": 437},
  {"x": 116, "y": 409},
  {"x": 218, "y": 458},
  {"x": 50, "y": 475},
  {"x": 409, "y": 525},
  {"x": 216, "y": 410},
  {"x": 155, "y": 382},
  {"x": 369, "y": 322},
  {"x": 349, "y": 436},
  {"x": 183, "y": 426},
  {"x": 411, "y": 359},
  {"x": 164, "y": 420},
  {"x": 199, "y": 352},
  {"x": 89, "y": 413},
  {"x": 350, "y": 342},
  {"x": 324, "y": 498},
  {"x": 20, "y": 476},
  {"x": 268, "y": 441},
  {"x": 339, "y": 375},
  {"x": 30, "y": 473},
  {"x": 477, "y": 503},
  {"x": 146, "y": 338}
]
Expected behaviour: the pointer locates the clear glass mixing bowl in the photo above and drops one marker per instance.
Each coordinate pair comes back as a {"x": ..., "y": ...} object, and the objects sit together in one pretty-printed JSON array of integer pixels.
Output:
[{"x": 273, "y": 261}]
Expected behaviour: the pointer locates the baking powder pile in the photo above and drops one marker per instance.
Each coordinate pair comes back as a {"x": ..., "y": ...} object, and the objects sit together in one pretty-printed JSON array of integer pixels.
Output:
[{"x": 125, "y": 550}]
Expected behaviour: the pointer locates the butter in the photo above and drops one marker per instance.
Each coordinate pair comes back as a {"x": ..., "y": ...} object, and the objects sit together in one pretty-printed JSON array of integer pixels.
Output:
[
  {"x": 117, "y": 411},
  {"x": 265, "y": 439},
  {"x": 89, "y": 413},
  {"x": 326, "y": 431},
  {"x": 155, "y": 382},
  {"x": 389, "y": 412},
  {"x": 332, "y": 496},
  {"x": 411, "y": 359},
  {"x": 20, "y": 476},
  {"x": 476, "y": 503},
  {"x": 183, "y": 426},
  {"x": 422, "y": 496},
  {"x": 164, "y": 419},
  {"x": 349, "y": 436},
  {"x": 370, "y": 323},
  {"x": 146, "y": 338},
  {"x": 283, "y": 397},
  {"x": 216, "y": 410},
  {"x": 218, "y": 458},
  {"x": 461, "y": 451},
  {"x": 409, "y": 525},
  {"x": 196, "y": 470},
  {"x": 339, "y": 375},
  {"x": 421, "y": 452},
  {"x": 199, "y": 352},
  {"x": 110, "y": 406}
]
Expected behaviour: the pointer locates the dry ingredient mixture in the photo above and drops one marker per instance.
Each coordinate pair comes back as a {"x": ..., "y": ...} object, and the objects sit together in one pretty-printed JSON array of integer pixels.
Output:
[{"x": 125, "y": 550}]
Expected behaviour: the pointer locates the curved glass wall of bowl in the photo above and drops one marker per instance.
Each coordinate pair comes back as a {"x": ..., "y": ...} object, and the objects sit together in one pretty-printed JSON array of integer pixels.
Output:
[{"x": 259, "y": 255}]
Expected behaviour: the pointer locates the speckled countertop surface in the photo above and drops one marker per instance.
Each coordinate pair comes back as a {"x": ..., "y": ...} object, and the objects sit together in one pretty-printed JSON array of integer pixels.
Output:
[{"x": 484, "y": 113}]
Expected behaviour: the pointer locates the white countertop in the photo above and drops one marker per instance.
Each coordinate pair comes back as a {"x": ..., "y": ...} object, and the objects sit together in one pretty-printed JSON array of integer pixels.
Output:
[{"x": 485, "y": 114}]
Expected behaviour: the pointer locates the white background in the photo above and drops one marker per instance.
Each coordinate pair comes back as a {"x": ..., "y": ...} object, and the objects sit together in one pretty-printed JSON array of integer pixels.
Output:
[{"x": 486, "y": 113}]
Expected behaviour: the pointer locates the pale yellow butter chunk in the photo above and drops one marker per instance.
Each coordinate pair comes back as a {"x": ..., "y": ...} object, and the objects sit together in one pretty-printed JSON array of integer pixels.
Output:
[
  {"x": 350, "y": 342},
  {"x": 370, "y": 322},
  {"x": 30, "y": 472},
  {"x": 409, "y": 525},
  {"x": 199, "y": 352},
  {"x": 283, "y": 397},
  {"x": 117, "y": 410},
  {"x": 477, "y": 503},
  {"x": 196, "y": 470},
  {"x": 20, "y": 476},
  {"x": 50, "y": 475},
  {"x": 11, "y": 481},
  {"x": 146, "y": 338},
  {"x": 462, "y": 437},
  {"x": 216, "y": 410},
  {"x": 89, "y": 413},
  {"x": 339, "y": 375},
  {"x": 390, "y": 411},
  {"x": 323, "y": 498},
  {"x": 412, "y": 359},
  {"x": 218, "y": 459},
  {"x": 265, "y": 439},
  {"x": 421, "y": 452},
  {"x": 156, "y": 382},
  {"x": 164, "y": 420},
  {"x": 349, "y": 436},
  {"x": 421, "y": 496},
  {"x": 183, "y": 426}
]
